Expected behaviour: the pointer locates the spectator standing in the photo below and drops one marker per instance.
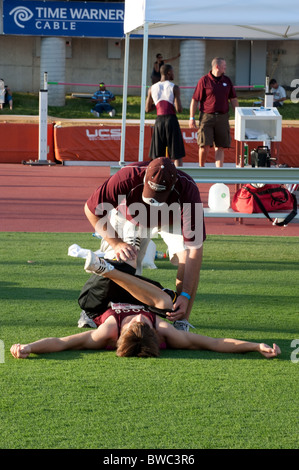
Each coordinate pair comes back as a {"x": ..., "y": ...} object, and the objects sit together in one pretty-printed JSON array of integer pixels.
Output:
[
  {"x": 156, "y": 74},
  {"x": 5, "y": 95},
  {"x": 213, "y": 94},
  {"x": 165, "y": 97}
]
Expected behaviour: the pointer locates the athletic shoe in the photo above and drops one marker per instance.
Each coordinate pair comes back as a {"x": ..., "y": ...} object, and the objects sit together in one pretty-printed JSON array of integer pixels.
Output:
[
  {"x": 183, "y": 325},
  {"x": 86, "y": 322},
  {"x": 134, "y": 241},
  {"x": 112, "y": 113},
  {"x": 95, "y": 113},
  {"x": 132, "y": 235},
  {"x": 97, "y": 265}
]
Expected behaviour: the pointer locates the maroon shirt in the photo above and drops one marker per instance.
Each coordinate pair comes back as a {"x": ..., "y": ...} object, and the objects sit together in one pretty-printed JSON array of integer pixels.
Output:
[
  {"x": 124, "y": 189},
  {"x": 121, "y": 313},
  {"x": 214, "y": 93}
]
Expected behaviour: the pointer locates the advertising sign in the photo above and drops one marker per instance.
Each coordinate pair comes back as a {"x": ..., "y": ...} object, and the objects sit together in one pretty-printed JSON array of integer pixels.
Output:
[{"x": 71, "y": 19}]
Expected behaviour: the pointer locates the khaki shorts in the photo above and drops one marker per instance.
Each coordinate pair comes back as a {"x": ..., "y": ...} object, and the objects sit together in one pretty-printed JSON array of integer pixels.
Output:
[{"x": 214, "y": 130}]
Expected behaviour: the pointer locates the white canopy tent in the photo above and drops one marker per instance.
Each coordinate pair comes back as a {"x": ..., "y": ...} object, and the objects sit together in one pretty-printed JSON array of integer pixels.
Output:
[{"x": 212, "y": 19}]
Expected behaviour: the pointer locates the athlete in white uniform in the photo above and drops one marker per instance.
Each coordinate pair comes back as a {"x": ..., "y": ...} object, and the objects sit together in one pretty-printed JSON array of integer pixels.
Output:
[{"x": 165, "y": 97}]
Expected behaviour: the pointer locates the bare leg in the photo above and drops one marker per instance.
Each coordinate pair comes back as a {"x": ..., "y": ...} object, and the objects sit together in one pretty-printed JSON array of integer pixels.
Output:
[
  {"x": 144, "y": 291},
  {"x": 203, "y": 154},
  {"x": 178, "y": 162},
  {"x": 219, "y": 157}
]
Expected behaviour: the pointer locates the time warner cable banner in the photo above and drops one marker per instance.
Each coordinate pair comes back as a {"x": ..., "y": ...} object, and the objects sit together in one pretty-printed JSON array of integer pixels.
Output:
[{"x": 82, "y": 19}]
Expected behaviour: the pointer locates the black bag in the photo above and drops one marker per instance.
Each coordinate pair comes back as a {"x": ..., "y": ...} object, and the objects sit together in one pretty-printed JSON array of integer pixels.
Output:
[{"x": 261, "y": 157}]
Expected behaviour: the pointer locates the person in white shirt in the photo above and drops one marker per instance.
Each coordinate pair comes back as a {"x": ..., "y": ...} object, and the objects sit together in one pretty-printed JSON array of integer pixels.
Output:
[
  {"x": 279, "y": 93},
  {"x": 164, "y": 96}
]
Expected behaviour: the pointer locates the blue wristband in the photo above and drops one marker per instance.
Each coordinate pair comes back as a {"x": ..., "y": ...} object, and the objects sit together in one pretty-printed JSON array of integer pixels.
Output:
[{"x": 184, "y": 294}]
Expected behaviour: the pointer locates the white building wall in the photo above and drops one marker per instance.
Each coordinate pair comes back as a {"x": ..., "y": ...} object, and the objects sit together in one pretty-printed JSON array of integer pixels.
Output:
[{"x": 87, "y": 61}]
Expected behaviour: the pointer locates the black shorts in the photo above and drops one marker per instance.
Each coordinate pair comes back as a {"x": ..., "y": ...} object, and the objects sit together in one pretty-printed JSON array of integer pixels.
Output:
[
  {"x": 167, "y": 133},
  {"x": 99, "y": 291}
]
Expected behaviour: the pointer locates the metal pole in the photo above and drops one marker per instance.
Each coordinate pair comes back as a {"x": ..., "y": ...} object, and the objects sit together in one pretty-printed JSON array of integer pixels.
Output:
[
  {"x": 125, "y": 95},
  {"x": 143, "y": 91},
  {"x": 43, "y": 121}
]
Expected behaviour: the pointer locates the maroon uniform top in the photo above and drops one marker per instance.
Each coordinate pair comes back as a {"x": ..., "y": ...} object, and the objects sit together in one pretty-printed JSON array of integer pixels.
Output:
[
  {"x": 120, "y": 313},
  {"x": 124, "y": 192},
  {"x": 214, "y": 93}
]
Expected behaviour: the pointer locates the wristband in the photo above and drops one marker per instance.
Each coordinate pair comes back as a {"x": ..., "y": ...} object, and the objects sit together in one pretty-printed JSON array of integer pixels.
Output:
[
  {"x": 191, "y": 118},
  {"x": 184, "y": 294}
]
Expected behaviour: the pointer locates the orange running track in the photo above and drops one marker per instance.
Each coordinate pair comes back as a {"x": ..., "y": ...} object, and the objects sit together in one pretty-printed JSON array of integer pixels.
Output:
[{"x": 52, "y": 198}]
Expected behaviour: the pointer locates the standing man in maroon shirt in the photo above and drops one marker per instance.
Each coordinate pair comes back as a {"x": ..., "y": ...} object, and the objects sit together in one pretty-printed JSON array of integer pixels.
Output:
[{"x": 213, "y": 93}]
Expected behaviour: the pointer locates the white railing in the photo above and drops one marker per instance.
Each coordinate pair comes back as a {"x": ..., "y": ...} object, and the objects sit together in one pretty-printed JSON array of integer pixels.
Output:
[{"x": 239, "y": 176}]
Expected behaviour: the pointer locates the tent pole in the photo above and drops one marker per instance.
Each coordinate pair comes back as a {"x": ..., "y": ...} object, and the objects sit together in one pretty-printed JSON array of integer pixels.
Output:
[
  {"x": 125, "y": 95},
  {"x": 143, "y": 91}
]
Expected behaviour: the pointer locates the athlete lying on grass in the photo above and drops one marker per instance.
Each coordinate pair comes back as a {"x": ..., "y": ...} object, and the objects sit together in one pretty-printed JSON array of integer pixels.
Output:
[{"x": 135, "y": 330}]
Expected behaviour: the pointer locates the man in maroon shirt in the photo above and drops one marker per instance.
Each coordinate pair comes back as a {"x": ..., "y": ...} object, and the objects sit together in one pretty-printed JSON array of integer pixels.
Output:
[
  {"x": 213, "y": 93},
  {"x": 138, "y": 202}
]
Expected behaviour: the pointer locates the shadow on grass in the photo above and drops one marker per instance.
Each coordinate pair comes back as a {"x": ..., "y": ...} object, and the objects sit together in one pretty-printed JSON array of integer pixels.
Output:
[
  {"x": 236, "y": 327},
  {"x": 237, "y": 265},
  {"x": 40, "y": 262},
  {"x": 63, "y": 356},
  {"x": 12, "y": 291},
  {"x": 242, "y": 265}
]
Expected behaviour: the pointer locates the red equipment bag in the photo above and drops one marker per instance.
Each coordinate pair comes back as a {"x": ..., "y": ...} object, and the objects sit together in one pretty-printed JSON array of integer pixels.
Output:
[{"x": 269, "y": 198}]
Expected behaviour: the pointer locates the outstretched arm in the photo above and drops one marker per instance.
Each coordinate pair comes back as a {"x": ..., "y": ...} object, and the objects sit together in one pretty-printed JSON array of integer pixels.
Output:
[
  {"x": 229, "y": 345},
  {"x": 178, "y": 339},
  {"x": 94, "y": 339},
  {"x": 189, "y": 265},
  {"x": 172, "y": 58}
]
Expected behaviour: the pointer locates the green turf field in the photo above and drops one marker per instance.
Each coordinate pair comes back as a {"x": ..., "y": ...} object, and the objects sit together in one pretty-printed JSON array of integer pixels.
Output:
[
  {"x": 79, "y": 108},
  {"x": 184, "y": 399}
]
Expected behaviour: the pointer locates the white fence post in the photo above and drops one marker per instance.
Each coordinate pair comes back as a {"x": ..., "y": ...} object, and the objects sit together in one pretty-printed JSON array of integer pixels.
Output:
[{"x": 43, "y": 122}]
